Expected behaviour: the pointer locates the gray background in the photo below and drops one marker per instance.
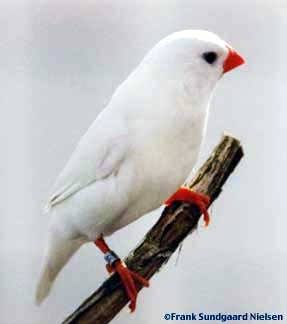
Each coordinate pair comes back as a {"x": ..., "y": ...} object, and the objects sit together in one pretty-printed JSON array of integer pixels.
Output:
[{"x": 60, "y": 61}]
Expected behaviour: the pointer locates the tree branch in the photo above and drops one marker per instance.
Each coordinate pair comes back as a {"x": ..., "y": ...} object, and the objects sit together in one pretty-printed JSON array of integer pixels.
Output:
[{"x": 176, "y": 222}]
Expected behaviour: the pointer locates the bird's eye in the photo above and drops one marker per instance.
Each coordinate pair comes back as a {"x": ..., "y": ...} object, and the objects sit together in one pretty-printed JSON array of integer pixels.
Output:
[{"x": 209, "y": 57}]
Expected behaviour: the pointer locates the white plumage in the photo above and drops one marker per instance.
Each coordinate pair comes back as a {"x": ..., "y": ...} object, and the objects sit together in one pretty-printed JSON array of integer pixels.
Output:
[{"x": 138, "y": 151}]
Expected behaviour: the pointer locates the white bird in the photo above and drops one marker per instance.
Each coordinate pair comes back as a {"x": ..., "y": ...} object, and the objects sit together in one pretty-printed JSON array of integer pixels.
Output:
[{"x": 137, "y": 152}]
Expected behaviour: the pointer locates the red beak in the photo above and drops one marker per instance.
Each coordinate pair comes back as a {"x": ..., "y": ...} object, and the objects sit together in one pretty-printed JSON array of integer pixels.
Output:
[{"x": 232, "y": 61}]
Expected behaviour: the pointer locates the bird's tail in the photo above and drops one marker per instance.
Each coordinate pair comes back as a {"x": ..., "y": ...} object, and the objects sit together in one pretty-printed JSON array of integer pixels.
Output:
[{"x": 58, "y": 253}]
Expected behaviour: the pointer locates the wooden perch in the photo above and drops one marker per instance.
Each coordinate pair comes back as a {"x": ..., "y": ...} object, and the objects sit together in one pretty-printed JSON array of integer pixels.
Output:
[{"x": 176, "y": 222}]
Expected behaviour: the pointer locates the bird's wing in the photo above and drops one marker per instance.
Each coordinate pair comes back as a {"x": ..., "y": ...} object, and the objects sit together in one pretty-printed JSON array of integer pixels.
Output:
[{"x": 96, "y": 157}]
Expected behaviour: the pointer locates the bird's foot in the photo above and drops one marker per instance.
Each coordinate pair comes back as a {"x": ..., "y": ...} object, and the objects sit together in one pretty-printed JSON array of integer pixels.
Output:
[
  {"x": 200, "y": 200},
  {"x": 128, "y": 277}
]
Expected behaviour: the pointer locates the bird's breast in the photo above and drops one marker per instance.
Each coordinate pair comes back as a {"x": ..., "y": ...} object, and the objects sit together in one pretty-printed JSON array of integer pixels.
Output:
[{"x": 165, "y": 160}]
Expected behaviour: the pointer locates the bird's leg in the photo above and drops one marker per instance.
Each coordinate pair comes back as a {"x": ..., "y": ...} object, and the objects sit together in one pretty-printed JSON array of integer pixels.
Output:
[
  {"x": 200, "y": 200},
  {"x": 128, "y": 277}
]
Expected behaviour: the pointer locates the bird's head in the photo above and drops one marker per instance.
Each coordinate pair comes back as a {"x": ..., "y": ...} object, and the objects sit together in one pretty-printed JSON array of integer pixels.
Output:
[{"x": 195, "y": 57}]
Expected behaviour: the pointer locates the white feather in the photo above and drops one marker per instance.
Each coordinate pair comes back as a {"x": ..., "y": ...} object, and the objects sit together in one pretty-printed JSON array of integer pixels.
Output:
[{"x": 59, "y": 251}]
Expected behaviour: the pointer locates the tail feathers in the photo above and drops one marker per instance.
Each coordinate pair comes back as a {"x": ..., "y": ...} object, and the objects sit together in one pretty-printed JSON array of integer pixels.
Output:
[
  {"x": 58, "y": 254},
  {"x": 44, "y": 285}
]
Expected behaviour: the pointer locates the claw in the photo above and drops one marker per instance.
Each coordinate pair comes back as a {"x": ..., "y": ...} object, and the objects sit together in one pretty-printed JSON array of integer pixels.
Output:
[
  {"x": 202, "y": 201},
  {"x": 140, "y": 279}
]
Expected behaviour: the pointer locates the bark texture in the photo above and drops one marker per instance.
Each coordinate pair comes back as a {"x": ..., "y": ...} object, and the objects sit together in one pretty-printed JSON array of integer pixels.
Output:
[{"x": 176, "y": 222}]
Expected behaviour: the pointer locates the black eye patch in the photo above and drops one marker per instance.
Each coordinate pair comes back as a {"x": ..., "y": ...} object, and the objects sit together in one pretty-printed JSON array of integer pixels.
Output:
[{"x": 209, "y": 57}]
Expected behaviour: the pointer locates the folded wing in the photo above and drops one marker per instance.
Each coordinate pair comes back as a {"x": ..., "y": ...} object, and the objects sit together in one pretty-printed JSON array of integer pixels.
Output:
[{"x": 97, "y": 156}]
